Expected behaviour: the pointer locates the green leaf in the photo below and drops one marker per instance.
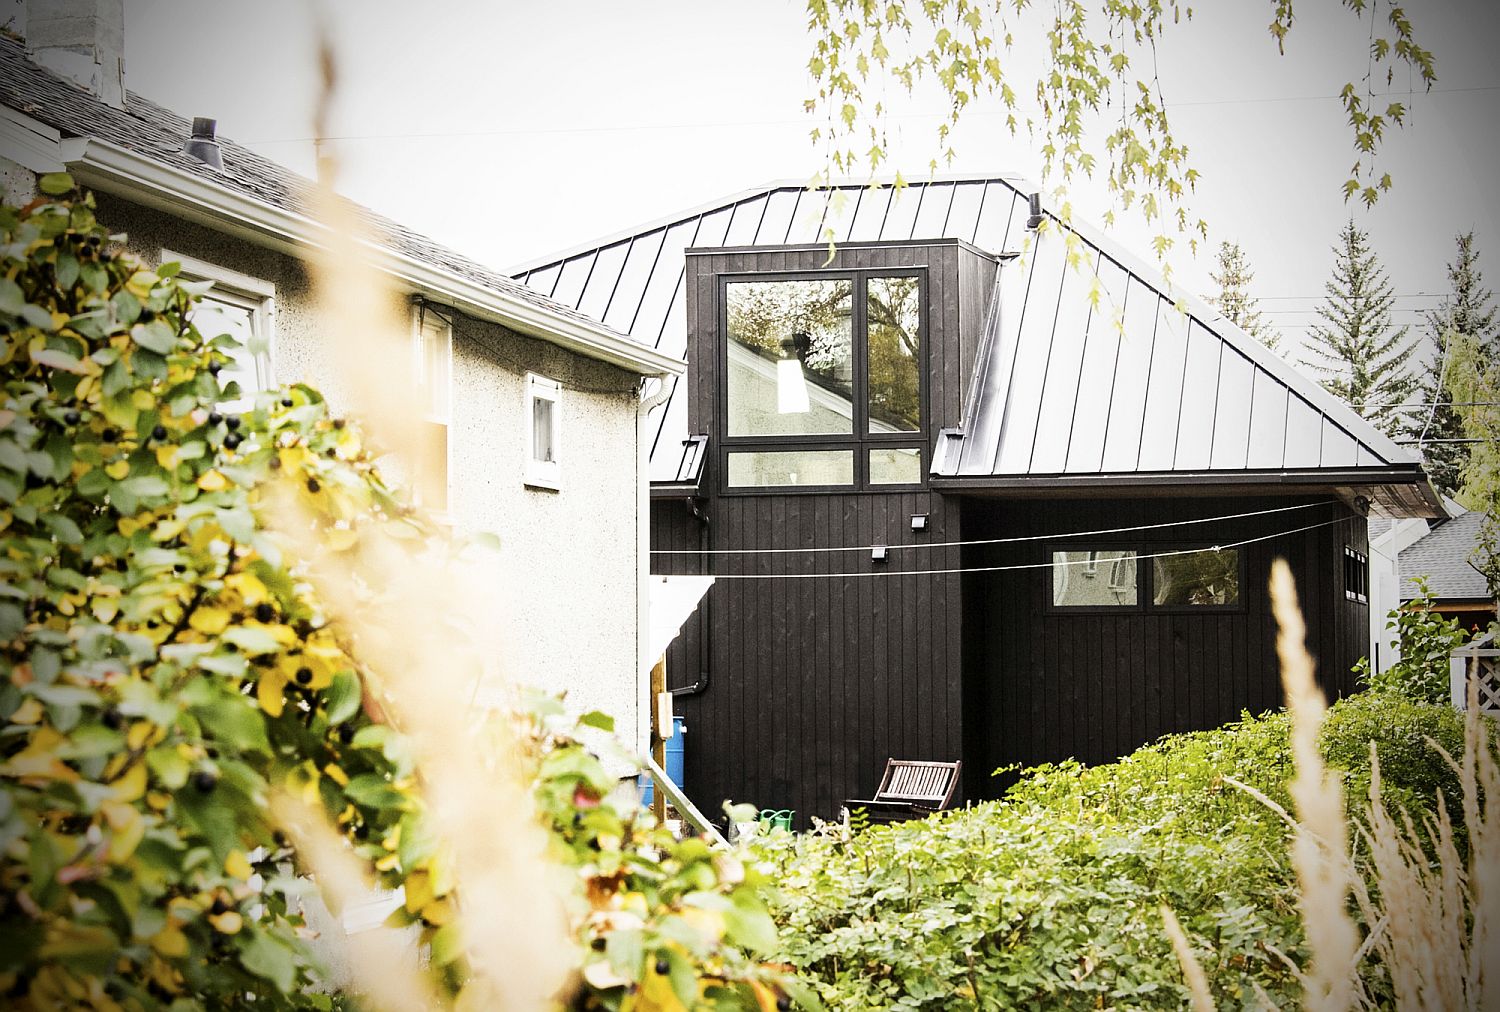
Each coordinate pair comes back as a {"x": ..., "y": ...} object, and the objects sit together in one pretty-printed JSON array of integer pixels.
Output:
[
  {"x": 55, "y": 184},
  {"x": 748, "y": 923},
  {"x": 67, "y": 270},
  {"x": 146, "y": 486},
  {"x": 251, "y": 640},
  {"x": 599, "y": 719},
  {"x": 265, "y": 955},
  {"x": 155, "y": 336},
  {"x": 342, "y": 697}
]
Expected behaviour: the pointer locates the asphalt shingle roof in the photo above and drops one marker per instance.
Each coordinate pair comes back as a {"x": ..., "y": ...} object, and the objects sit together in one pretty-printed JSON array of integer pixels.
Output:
[
  {"x": 1442, "y": 555},
  {"x": 159, "y": 133}
]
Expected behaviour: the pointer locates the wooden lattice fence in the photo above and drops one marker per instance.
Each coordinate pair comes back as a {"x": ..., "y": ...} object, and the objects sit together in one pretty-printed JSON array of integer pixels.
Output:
[{"x": 1477, "y": 662}]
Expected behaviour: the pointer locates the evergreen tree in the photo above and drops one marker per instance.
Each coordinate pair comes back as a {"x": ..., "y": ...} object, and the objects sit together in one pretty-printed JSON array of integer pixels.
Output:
[
  {"x": 1466, "y": 310},
  {"x": 1234, "y": 299},
  {"x": 1361, "y": 355}
]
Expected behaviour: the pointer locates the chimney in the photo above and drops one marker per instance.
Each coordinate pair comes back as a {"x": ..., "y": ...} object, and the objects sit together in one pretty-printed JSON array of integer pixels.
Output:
[
  {"x": 82, "y": 40},
  {"x": 1035, "y": 220}
]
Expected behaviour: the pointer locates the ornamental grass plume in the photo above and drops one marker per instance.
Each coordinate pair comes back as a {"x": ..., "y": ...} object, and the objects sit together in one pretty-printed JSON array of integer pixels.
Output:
[{"x": 1325, "y": 875}]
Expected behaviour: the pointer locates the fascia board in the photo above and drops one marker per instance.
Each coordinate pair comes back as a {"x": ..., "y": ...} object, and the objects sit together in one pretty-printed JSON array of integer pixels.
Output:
[
  {"x": 118, "y": 170},
  {"x": 29, "y": 143}
]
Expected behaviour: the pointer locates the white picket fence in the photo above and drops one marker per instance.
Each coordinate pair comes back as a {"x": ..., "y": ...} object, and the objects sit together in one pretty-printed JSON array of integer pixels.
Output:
[{"x": 1478, "y": 662}]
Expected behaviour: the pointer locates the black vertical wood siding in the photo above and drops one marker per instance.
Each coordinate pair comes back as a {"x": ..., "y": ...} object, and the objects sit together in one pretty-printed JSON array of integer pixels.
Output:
[{"x": 1047, "y": 685}]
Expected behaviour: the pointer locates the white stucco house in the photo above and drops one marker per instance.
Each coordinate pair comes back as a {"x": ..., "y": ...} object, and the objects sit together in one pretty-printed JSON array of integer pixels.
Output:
[{"x": 536, "y": 410}]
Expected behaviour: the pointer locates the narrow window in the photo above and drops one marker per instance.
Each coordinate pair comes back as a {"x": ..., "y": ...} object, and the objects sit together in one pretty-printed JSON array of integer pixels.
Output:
[
  {"x": 1201, "y": 579},
  {"x": 1356, "y": 576},
  {"x": 1095, "y": 579},
  {"x": 543, "y": 432},
  {"x": 237, "y": 316},
  {"x": 432, "y": 368},
  {"x": 894, "y": 353}
]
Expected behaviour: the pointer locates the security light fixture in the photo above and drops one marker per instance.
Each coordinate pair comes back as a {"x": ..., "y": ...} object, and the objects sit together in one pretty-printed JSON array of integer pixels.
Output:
[
  {"x": 877, "y": 553},
  {"x": 919, "y": 521}
]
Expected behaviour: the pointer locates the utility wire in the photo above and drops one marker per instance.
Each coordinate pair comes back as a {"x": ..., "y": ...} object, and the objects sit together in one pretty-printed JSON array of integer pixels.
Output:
[
  {"x": 988, "y": 541},
  {"x": 1009, "y": 568}
]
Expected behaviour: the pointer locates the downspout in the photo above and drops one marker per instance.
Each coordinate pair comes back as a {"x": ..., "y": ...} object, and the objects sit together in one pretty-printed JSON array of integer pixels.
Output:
[
  {"x": 705, "y": 649},
  {"x": 643, "y": 665}
]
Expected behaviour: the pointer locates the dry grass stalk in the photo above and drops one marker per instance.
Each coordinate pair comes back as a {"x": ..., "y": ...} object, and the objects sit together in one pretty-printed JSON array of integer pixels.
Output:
[
  {"x": 383, "y": 959},
  {"x": 1325, "y": 874},
  {"x": 422, "y": 623},
  {"x": 1192, "y": 970}
]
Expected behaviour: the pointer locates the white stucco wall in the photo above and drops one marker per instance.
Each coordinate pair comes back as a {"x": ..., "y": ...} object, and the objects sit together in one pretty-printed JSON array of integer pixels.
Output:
[{"x": 569, "y": 558}]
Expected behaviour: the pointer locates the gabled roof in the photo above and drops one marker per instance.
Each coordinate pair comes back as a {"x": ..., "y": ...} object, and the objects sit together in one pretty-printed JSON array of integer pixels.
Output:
[
  {"x": 1093, "y": 368},
  {"x": 138, "y": 152},
  {"x": 1442, "y": 555}
]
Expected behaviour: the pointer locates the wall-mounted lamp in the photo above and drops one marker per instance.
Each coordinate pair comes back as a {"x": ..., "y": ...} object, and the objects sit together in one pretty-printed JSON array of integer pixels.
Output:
[
  {"x": 791, "y": 385},
  {"x": 877, "y": 553},
  {"x": 1362, "y": 505},
  {"x": 919, "y": 521}
]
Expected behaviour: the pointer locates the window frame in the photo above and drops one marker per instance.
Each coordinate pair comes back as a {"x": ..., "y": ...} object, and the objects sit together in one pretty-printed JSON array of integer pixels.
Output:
[
  {"x": 422, "y": 313},
  {"x": 860, "y": 440},
  {"x": 1145, "y": 577},
  {"x": 543, "y": 474},
  {"x": 1360, "y": 559},
  {"x": 246, "y": 292}
]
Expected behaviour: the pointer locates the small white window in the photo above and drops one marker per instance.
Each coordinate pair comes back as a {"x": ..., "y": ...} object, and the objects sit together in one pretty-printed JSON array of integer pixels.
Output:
[
  {"x": 543, "y": 432},
  {"x": 242, "y": 308},
  {"x": 432, "y": 370}
]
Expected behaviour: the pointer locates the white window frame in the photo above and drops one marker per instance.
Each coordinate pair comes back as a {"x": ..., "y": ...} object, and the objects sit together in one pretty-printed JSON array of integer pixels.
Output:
[
  {"x": 247, "y": 292},
  {"x": 543, "y": 473},
  {"x": 429, "y": 322}
]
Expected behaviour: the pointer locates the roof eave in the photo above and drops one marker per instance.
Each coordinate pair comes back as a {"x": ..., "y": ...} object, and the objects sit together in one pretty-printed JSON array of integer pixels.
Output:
[{"x": 122, "y": 172}]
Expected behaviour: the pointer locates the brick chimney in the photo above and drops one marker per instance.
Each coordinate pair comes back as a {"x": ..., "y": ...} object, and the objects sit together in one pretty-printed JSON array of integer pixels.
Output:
[{"x": 82, "y": 40}]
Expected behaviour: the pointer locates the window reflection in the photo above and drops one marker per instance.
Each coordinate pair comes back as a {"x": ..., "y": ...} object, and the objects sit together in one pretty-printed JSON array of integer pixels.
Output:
[
  {"x": 790, "y": 358},
  {"x": 1094, "y": 579},
  {"x": 247, "y": 367},
  {"x": 896, "y": 465},
  {"x": 760, "y": 468},
  {"x": 893, "y": 322},
  {"x": 1197, "y": 579}
]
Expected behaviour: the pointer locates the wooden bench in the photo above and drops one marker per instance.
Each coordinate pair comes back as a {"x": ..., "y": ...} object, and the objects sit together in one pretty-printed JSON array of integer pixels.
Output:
[{"x": 910, "y": 790}]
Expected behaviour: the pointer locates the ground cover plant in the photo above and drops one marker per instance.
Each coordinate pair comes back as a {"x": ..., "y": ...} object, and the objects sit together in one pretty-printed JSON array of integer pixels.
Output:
[
  {"x": 1050, "y": 898},
  {"x": 182, "y": 708}
]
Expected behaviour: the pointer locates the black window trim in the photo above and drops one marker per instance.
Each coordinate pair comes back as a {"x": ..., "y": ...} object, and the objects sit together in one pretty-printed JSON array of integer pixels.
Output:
[
  {"x": 1352, "y": 554},
  {"x": 1145, "y": 577},
  {"x": 860, "y": 440}
]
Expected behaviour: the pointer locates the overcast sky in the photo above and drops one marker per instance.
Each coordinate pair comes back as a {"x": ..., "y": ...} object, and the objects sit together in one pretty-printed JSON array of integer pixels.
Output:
[{"x": 509, "y": 130}]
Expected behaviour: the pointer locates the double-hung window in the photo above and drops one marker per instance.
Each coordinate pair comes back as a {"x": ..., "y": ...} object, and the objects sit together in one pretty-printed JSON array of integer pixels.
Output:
[
  {"x": 823, "y": 379},
  {"x": 432, "y": 371},
  {"x": 239, "y": 314}
]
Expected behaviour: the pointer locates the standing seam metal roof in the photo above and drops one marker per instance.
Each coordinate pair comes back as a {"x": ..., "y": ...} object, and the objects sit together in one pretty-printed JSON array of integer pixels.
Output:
[{"x": 1105, "y": 369}]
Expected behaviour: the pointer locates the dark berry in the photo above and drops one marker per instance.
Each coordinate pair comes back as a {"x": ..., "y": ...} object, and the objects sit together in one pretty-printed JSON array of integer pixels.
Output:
[
  {"x": 278, "y": 838},
  {"x": 219, "y": 906},
  {"x": 312, "y": 485},
  {"x": 214, "y": 368},
  {"x": 597, "y": 944},
  {"x": 346, "y": 733},
  {"x": 179, "y": 568},
  {"x": 362, "y": 832},
  {"x": 783, "y": 1003},
  {"x": 72, "y": 417},
  {"x": 212, "y": 753},
  {"x": 338, "y": 423},
  {"x": 286, "y": 402},
  {"x": 112, "y": 719},
  {"x": 214, "y": 418},
  {"x": 264, "y": 612},
  {"x": 233, "y": 440},
  {"x": 159, "y": 433},
  {"x": 233, "y": 421},
  {"x": 110, "y": 435},
  {"x": 304, "y": 676},
  {"x": 275, "y": 463},
  {"x": 663, "y": 967},
  {"x": 205, "y": 781},
  {"x": 32, "y": 481}
]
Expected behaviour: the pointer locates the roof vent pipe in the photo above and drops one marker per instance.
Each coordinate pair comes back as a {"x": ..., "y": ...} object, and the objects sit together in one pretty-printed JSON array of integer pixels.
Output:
[
  {"x": 1035, "y": 220},
  {"x": 202, "y": 145}
]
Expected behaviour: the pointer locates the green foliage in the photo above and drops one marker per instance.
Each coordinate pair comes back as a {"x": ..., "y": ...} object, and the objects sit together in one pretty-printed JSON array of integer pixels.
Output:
[
  {"x": 163, "y": 669},
  {"x": 1098, "y": 75},
  {"x": 1234, "y": 300},
  {"x": 1426, "y": 639},
  {"x": 1362, "y": 357},
  {"x": 1049, "y": 898}
]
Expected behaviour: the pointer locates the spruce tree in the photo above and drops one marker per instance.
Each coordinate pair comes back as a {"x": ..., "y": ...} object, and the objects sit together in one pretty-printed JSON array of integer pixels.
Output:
[
  {"x": 1466, "y": 310},
  {"x": 1361, "y": 355},
  {"x": 1234, "y": 299}
]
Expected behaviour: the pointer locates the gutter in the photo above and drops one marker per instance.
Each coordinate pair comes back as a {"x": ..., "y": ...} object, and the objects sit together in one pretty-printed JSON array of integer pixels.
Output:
[{"x": 122, "y": 172}]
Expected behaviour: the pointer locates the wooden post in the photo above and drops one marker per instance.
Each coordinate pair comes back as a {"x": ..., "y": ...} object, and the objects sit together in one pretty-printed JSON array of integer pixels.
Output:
[{"x": 658, "y": 740}]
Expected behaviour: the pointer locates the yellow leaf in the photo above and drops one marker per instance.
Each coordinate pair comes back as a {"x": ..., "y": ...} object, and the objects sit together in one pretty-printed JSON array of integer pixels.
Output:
[
  {"x": 127, "y": 828},
  {"x": 118, "y": 470},
  {"x": 268, "y": 691},
  {"x": 170, "y": 942},
  {"x": 209, "y": 621},
  {"x": 337, "y": 775},
  {"x": 341, "y": 539},
  {"x": 105, "y": 609},
  {"x": 29, "y": 712},
  {"x": 418, "y": 890},
  {"x": 142, "y": 400},
  {"x": 132, "y": 784},
  {"x": 438, "y": 912},
  {"x": 212, "y": 481},
  {"x": 229, "y": 922},
  {"x": 166, "y": 456},
  {"x": 237, "y": 865},
  {"x": 135, "y": 738},
  {"x": 293, "y": 457}
]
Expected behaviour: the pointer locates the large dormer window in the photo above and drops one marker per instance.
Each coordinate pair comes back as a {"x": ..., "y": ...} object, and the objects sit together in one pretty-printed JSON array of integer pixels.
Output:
[{"x": 823, "y": 380}]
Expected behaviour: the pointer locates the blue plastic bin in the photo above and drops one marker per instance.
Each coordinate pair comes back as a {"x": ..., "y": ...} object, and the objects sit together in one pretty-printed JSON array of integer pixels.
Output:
[{"x": 676, "y": 747}]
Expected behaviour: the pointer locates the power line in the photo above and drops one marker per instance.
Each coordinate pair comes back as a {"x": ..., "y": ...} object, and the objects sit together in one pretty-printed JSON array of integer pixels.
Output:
[
  {"x": 989, "y": 541},
  {"x": 1018, "y": 566}
]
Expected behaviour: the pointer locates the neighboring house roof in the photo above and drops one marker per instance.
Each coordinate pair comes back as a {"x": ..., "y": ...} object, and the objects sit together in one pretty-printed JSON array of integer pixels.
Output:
[
  {"x": 1442, "y": 555},
  {"x": 137, "y": 152},
  {"x": 1106, "y": 374}
]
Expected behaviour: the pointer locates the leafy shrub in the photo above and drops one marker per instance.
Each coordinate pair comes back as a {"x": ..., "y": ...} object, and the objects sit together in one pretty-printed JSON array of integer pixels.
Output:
[
  {"x": 163, "y": 669},
  {"x": 1426, "y": 639},
  {"x": 1048, "y": 899}
]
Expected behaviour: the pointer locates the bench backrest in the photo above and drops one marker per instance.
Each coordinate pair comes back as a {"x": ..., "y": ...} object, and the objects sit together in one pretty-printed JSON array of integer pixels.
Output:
[{"x": 923, "y": 782}]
